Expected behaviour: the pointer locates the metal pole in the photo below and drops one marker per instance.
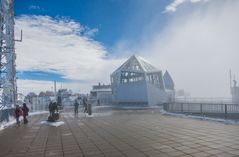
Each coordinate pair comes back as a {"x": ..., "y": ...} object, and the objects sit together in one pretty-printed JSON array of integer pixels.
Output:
[
  {"x": 201, "y": 108},
  {"x": 89, "y": 109},
  {"x": 8, "y": 92},
  {"x": 225, "y": 111},
  {"x": 230, "y": 76},
  {"x": 55, "y": 88}
]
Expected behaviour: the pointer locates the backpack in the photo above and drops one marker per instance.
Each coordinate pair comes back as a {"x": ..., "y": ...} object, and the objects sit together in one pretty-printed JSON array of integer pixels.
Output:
[{"x": 20, "y": 112}]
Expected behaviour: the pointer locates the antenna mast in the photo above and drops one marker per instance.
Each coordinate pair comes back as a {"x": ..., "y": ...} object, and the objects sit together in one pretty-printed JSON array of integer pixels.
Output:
[
  {"x": 8, "y": 87},
  {"x": 230, "y": 77}
]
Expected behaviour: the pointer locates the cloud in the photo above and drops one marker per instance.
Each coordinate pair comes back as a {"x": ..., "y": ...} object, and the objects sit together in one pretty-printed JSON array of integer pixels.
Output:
[
  {"x": 199, "y": 48},
  {"x": 35, "y": 7},
  {"x": 172, "y": 7},
  {"x": 36, "y": 86},
  {"x": 64, "y": 47}
]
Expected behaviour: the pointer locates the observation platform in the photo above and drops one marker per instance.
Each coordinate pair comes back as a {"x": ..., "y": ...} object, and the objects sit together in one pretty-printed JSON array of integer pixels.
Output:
[{"x": 116, "y": 133}]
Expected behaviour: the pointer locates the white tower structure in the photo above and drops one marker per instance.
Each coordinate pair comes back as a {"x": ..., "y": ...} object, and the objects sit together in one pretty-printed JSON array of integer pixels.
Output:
[
  {"x": 138, "y": 82},
  {"x": 234, "y": 88},
  {"x": 235, "y": 92},
  {"x": 8, "y": 91}
]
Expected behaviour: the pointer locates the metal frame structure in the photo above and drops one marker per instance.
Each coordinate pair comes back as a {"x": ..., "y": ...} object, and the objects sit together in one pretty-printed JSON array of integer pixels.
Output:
[
  {"x": 136, "y": 69},
  {"x": 8, "y": 88},
  {"x": 138, "y": 82}
]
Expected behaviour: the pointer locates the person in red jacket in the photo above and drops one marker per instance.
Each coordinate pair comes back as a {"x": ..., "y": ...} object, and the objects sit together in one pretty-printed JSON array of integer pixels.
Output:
[{"x": 18, "y": 113}]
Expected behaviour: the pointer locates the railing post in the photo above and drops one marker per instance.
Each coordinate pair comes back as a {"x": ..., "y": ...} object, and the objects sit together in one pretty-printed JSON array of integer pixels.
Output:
[
  {"x": 182, "y": 107},
  {"x": 201, "y": 109},
  {"x": 89, "y": 109},
  {"x": 225, "y": 111}
]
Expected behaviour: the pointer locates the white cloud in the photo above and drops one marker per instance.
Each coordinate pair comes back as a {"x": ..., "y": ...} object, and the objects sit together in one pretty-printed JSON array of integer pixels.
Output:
[
  {"x": 35, "y": 7},
  {"x": 62, "y": 46},
  {"x": 36, "y": 86},
  {"x": 26, "y": 86},
  {"x": 172, "y": 7},
  {"x": 199, "y": 48}
]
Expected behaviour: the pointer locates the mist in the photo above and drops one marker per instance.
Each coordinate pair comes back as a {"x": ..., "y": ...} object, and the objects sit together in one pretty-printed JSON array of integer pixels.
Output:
[{"x": 198, "y": 47}]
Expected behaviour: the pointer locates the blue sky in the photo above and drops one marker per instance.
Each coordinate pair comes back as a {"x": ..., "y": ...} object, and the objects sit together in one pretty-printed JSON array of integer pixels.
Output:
[
  {"x": 112, "y": 18},
  {"x": 40, "y": 75},
  {"x": 81, "y": 42}
]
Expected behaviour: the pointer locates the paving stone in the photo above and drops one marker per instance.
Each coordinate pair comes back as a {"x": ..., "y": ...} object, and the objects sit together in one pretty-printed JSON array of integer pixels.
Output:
[
  {"x": 176, "y": 153},
  {"x": 226, "y": 155},
  {"x": 235, "y": 152},
  {"x": 190, "y": 151},
  {"x": 122, "y": 133},
  {"x": 200, "y": 154},
  {"x": 214, "y": 151}
]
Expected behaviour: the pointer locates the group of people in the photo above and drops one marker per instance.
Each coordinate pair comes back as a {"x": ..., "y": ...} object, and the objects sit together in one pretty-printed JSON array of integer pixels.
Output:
[
  {"x": 21, "y": 111},
  {"x": 53, "y": 110},
  {"x": 84, "y": 102}
]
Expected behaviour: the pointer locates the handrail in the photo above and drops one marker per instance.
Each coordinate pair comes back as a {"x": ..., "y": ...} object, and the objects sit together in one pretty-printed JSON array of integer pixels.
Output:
[{"x": 215, "y": 109}]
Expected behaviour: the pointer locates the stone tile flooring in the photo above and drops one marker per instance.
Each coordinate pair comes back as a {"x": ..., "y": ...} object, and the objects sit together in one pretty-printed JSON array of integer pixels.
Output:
[{"x": 120, "y": 133}]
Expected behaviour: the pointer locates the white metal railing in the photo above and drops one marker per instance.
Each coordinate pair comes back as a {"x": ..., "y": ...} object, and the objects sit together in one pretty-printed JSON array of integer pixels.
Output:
[
  {"x": 204, "y": 100},
  {"x": 225, "y": 109}
]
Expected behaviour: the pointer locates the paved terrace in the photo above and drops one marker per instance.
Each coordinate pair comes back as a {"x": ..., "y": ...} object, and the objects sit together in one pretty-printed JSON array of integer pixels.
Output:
[{"x": 120, "y": 133}]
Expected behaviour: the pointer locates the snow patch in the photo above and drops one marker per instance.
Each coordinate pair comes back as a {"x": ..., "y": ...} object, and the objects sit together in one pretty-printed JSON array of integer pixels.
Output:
[
  {"x": 38, "y": 112},
  {"x": 4, "y": 124},
  {"x": 12, "y": 120},
  {"x": 56, "y": 124},
  {"x": 102, "y": 114},
  {"x": 180, "y": 115}
]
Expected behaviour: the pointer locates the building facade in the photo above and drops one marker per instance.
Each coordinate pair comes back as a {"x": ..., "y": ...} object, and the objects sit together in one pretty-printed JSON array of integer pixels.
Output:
[{"x": 101, "y": 94}]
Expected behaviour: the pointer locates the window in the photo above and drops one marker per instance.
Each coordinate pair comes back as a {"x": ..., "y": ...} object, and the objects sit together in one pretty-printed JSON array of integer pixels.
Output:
[{"x": 129, "y": 77}]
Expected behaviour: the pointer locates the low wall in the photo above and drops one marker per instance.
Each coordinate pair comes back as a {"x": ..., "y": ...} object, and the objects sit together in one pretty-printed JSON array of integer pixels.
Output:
[{"x": 5, "y": 114}]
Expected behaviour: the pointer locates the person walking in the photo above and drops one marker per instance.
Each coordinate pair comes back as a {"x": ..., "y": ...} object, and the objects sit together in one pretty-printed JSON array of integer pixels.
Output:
[
  {"x": 50, "y": 108},
  {"x": 76, "y": 104},
  {"x": 85, "y": 104},
  {"x": 18, "y": 113},
  {"x": 25, "y": 110}
]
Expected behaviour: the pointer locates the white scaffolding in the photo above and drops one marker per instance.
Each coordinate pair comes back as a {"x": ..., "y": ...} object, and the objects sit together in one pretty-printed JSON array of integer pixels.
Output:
[{"x": 8, "y": 89}]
